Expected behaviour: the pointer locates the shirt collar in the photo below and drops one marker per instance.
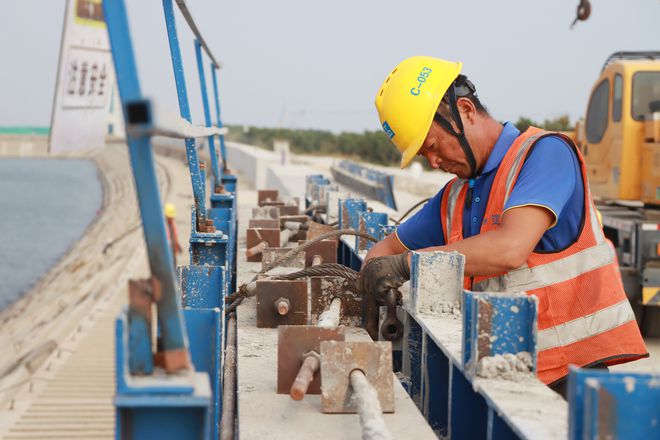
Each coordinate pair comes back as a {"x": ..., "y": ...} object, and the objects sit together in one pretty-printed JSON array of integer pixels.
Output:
[{"x": 504, "y": 141}]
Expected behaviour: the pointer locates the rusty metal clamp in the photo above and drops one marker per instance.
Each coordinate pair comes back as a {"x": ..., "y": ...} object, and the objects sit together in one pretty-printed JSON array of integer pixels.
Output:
[{"x": 392, "y": 328}]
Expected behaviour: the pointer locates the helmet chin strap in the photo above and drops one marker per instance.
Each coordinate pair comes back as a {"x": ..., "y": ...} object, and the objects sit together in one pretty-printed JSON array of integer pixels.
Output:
[{"x": 460, "y": 135}]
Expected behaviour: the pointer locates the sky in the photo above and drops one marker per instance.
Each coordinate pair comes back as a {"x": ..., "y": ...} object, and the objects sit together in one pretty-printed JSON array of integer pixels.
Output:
[{"x": 319, "y": 63}]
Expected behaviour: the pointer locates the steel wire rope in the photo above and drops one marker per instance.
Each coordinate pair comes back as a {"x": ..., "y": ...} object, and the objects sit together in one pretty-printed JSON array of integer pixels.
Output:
[
  {"x": 328, "y": 269},
  {"x": 183, "y": 7},
  {"x": 412, "y": 208}
]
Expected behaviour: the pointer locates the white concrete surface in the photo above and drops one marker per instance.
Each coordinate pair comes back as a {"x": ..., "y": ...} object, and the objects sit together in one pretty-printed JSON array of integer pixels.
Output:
[{"x": 265, "y": 414}]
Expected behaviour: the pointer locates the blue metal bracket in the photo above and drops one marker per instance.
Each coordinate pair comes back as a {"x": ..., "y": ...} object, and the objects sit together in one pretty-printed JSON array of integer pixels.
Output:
[
  {"x": 223, "y": 213},
  {"x": 613, "y": 405},
  {"x": 349, "y": 215},
  {"x": 202, "y": 287},
  {"x": 311, "y": 187},
  {"x": 217, "y": 172},
  {"x": 369, "y": 222},
  {"x": 165, "y": 406},
  {"x": 498, "y": 323},
  {"x": 206, "y": 330}
]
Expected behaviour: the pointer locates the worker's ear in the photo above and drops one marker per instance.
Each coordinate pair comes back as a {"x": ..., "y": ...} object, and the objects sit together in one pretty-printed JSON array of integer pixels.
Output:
[{"x": 467, "y": 109}]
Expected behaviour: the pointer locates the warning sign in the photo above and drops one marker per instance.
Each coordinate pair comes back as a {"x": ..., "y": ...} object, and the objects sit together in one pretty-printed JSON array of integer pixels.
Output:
[{"x": 85, "y": 82}]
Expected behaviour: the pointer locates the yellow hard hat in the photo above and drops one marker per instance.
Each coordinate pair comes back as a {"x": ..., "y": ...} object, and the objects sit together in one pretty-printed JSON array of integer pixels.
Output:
[
  {"x": 170, "y": 210},
  {"x": 409, "y": 98}
]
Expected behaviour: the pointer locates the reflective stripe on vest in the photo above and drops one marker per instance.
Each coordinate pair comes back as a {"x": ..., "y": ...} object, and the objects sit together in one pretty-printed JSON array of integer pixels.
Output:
[
  {"x": 454, "y": 192},
  {"x": 529, "y": 278},
  {"x": 570, "y": 329},
  {"x": 585, "y": 326},
  {"x": 518, "y": 162}
]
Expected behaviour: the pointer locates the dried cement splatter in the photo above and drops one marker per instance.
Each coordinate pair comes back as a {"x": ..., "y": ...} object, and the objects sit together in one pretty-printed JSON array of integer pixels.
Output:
[
  {"x": 437, "y": 283},
  {"x": 515, "y": 367},
  {"x": 445, "y": 309}
]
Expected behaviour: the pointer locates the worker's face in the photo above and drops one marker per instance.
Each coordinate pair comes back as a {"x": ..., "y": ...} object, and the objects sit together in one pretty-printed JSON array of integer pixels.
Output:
[{"x": 443, "y": 151}]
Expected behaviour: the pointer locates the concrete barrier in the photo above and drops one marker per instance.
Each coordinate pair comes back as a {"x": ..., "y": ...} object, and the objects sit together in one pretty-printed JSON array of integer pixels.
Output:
[{"x": 264, "y": 169}]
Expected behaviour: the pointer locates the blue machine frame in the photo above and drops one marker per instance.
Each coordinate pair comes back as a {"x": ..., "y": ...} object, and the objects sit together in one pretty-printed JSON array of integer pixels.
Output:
[{"x": 150, "y": 403}]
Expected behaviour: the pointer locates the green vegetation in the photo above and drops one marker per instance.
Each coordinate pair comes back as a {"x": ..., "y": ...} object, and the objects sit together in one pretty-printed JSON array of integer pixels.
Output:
[
  {"x": 368, "y": 146},
  {"x": 25, "y": 130},
  {"x": 560, "y": 123}
]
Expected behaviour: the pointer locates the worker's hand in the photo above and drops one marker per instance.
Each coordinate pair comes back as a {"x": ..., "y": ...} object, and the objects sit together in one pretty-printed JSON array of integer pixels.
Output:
[{"x": 381, "y": 274}]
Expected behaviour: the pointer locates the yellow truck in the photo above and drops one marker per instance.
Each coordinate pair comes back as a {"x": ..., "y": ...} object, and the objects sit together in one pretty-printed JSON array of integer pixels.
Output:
[{"x": 620, "y": 140}]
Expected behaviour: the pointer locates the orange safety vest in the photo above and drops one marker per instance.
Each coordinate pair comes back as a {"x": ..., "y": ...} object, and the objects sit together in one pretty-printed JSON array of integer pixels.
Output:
[{"x": 584, "y": 316}]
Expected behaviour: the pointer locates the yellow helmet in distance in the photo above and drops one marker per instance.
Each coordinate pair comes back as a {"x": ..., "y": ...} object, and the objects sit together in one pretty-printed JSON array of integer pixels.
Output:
[
  {"x": 170, "y": 210},
  {"x": 409, "y": 98}
]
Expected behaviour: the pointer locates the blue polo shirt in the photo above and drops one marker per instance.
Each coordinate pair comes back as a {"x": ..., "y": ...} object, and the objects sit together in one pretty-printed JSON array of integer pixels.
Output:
[{"x": 550, "y": 178}]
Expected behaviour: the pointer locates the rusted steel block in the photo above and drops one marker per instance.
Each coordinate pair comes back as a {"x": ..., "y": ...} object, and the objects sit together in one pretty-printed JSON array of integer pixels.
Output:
[
  {"x": 264, "y": 223},
  {"x": 289, "y": 210},
  {"x": 266, "y": 212},
  {"x": 268, "y": 196},
  {"x": 338, "y": 359},
  {"x": 326, "y": 249},
  {"x": 269, "y": 295},
  {"x": 256, "y": 236},
  {"x": 271, "y": 254},
  {"x": 324, "y": 289},
  {"x": 315, "y": 229},
  {"x": 293, "y": 342}
]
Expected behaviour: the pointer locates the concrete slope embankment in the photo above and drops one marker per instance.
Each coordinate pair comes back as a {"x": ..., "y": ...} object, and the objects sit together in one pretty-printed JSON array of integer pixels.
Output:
[{"x": 33, "y": 331}]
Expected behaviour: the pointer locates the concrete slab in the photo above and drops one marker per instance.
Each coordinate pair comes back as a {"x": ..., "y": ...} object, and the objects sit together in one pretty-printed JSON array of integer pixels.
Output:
[{"x": 266, "y": 414}]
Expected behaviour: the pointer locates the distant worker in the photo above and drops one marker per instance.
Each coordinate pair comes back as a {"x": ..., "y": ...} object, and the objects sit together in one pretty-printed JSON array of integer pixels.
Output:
[
  {"x": 520, "y": 211},
  {"x": 170, "y": 214}
]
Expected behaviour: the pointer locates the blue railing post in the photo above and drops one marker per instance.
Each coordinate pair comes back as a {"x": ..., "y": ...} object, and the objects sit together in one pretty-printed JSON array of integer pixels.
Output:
[
  {"x": 184, "y": 108},
  {"x": 217, "y": 181},
  {"x": 138, "y": 111},
  {"x": 216, "y": 94}
]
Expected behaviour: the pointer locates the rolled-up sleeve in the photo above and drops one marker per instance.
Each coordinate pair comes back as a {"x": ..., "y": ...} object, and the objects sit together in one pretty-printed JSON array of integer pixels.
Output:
[{"x": 547, "y": 178}]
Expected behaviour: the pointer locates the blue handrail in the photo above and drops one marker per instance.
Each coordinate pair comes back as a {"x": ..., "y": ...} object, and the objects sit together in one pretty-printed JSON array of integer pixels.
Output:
[
  {"x": 217, "y": 177},
  {"x": 184, "y": 108}
]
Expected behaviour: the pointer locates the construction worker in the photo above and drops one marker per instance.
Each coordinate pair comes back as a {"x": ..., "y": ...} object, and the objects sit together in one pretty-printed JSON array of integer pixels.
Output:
[
  {"x": 172, "y": 236},
  {"x": 520, "y": 211}
]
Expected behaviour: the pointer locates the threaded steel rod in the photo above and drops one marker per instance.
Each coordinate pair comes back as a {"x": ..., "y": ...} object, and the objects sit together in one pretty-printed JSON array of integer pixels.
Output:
[{"x": 311, "y": 364}]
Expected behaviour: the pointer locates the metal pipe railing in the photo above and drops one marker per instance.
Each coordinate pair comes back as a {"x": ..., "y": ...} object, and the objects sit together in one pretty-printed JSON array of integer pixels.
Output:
[
  {"x": 229, "y": 390},
  {"x": 184, "y": 108},
  {"x": 183, "y": 7},
  {"x": 217, "y": 177},
  {"x": 216, "y": 95}
]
